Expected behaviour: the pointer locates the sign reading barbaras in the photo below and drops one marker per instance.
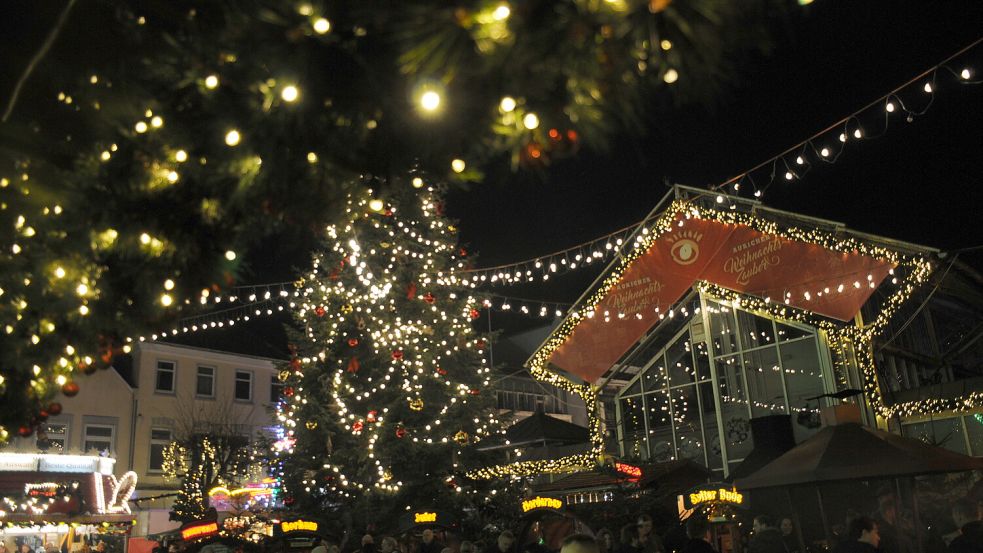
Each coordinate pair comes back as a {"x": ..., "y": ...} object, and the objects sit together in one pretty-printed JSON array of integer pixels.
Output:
[{"x": 736, "y": 257}]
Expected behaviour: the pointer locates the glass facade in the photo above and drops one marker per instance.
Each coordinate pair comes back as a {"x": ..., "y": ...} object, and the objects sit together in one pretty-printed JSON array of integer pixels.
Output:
[
  {"x": 962, "y": 434},
  {"x": 697, "y": 389}
]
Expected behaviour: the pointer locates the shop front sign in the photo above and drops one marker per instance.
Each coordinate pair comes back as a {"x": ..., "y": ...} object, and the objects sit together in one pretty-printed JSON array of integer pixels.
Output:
[
  {"x": 199, "y": 530},
  {"x": 702, "y": 496},
  {"x": 425, "y": 517},
  {"x": 541, "y": 503},
  {"x": 288, "y": 526}
]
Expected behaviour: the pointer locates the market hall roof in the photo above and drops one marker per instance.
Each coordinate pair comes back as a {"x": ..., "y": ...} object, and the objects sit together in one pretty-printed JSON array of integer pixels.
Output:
[{"x": 728, "y": 245}]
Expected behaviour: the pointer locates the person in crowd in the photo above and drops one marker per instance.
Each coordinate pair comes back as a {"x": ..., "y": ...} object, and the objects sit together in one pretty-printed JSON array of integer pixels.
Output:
[
  {"x": 368, "y": 544},
  {"x": 503, "y": 544},
  {"x": 538, "y": 543},
  {"x": 579, "y": 543},
  {"x": 334, "y": 548},
  {"x": 970, "y": 537},
  {"x": 648, "y": 540},
  {"x": 24, "y": 548},
  {"x": 863, "y": 536},
  {"x": 388, "y": 545},
  {"x": 698, "y": 534},
  {"x": 320, "y": 547},
  {"x": 466, "y": 547},
  {"x": 605, "y": 541},
  {"x": 629, "y": 539},
  {"x": 892, "y": 538},
  {"x": 429, "y": 542},
  {"x": 766, "y": 538},
  {"x": 789, "y": 538}
]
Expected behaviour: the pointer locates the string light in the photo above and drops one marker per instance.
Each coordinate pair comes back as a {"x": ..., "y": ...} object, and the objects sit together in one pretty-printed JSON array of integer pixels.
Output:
[
  {"x": 321, "y": 25},
  {"x": 232, "y": 137},
  {"x": 289, "y": 93}
]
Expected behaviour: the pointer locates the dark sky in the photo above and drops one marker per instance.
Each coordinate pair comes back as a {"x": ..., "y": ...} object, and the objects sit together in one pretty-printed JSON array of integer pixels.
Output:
[{"x": 918, "y": 182}]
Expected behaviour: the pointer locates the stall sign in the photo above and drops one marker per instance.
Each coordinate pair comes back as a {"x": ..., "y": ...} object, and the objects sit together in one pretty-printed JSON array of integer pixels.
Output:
[
  {"x": 420, "y": 518},
  {"x": 719, "y": 495},
  {"x": 41, "y": 489},
  {"x": 541, "y": 503},
  {"x": 631, "y": 470},
  {"x": 298, "y": 526},
  {"x": 197, "y": 531}
]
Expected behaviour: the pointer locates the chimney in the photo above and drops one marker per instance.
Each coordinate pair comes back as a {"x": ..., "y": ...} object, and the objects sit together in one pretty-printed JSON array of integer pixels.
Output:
[{"x": 840, "y": 414}]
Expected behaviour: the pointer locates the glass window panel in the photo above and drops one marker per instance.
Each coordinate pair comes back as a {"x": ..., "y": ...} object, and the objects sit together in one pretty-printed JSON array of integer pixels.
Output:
[
  {"x": 764, "y": 382},
  {"x": 104, "y": 431},
  {"x": 723, "y": 330},
  {"x": 635, "y": 388},
  {"x": 660, "y": 426},
  {"x": 947, "y": 433},
  {"x": 98, "y": 438},
  {"x": 276, "y": 391},
  {"x": 655, "y": 377},
  {"x": 734, "y": 413},
  {"x": 702, "y": 359},
  {"x": 633, "y": 426},
  {"x": 787, "y": 332},
  {"x": 159, "y": 439},
  {"x": 244, "y": 386},
  {"x": 205, "y": 385},
  {"x": 803, "y": 380},
  {"x": 689, "y": 429},
  {"x": 58, "y": 434},
  {"x": 710, "y": 432},
  {"x": 165, "y": 376},
  {"x": 974, "y": 429},
  {"x": 679, "y": 362},
  {"x": 755, "y": 331},
  {"x": 160, "y": 434}
]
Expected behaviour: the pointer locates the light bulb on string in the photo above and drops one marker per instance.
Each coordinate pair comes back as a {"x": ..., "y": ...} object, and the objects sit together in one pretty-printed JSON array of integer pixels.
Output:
[
  {"x": 289, "y": 93},
  {"x": 507, "y": 104},
  {"x": 965, "y": 74},
  {"x": 321, "y": 25},
  {"x": 530, "y": 121},
  {"x": 232, "y": 137},
  {"x": 211, "y": 82}
]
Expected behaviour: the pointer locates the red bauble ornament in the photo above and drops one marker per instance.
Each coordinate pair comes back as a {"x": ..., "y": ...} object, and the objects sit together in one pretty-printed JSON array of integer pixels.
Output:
[
  {"x": 389, "y": 213},
  {"x": 462, "y": 252},
  {"x": 42, "y": 415},
  {"x": 480, "y": 344},
  {"x": 397, "y": 354},
  {"x": 372, "y": 416},
  {"x": 353, "y": 365},
  {"x": 25, "y": 431},
  {"x": 428, "y": 298},
  {"x": 319, "y": 311},
  {"x": 357, "y": 426},
  {"x": 400, "y": 432},
  {"x": 288, "y": 391},
  {"x": 474, "y": 391},
  {"x": 352, "y": 342},
  {"x": 70, "y": 389},
  {"x": 475, "y": 313},
  {"x": 441, "y": 371},
  {"x": 439, "y": 209},
  {"x": 411, "y": 291},
  {"x": 54, "y": 408},
  {"x": 295, "y": 364}
]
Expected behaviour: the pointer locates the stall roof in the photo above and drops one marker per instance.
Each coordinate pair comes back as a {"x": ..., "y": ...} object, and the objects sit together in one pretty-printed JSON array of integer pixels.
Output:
[
  {"x": 671, "y": 475},
  {"x": 697, "y": 236},
  {"x": 540, "y": 427},
  {"x": 832, "y": 454}
]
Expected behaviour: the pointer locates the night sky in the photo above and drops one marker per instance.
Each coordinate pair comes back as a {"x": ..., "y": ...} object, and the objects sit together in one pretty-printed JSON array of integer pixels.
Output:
[{"x": 918, "y": 182}]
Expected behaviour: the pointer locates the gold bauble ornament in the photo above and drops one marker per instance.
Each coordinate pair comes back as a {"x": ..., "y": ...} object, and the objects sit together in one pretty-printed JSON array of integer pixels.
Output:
[
  {"x": 283, "y": 376},
  {"x": 311, "y": 424},
  {"x": 461, "y": 437},
  {"x": 416, "y": 404},
  {"x": 347, "y": 308},
  {"x": 387, "y": 475},
  {"x": 385, "y": 245}
]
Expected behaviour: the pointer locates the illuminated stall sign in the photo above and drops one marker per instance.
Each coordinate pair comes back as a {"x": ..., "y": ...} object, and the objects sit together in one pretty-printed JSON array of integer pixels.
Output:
[
  {"x": 425, "y": 517},
  {"x": 200, "y": 530},
  {"x": 288, "y": 526},
  {"x": 634, "y": 473},
  {"x": 703, "y": 496},
  {"x": 541, "y": 503}
]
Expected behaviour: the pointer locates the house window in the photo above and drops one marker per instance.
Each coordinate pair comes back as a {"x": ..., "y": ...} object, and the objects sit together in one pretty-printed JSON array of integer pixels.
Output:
[
  {"x": 159, "y": 439},
  {"x": 58, "y": 436},
  {"x": 165, "y": 377},
  {"x": 276, "y": 389},
  {"x": 205, "y": 384},
  {"x": 244, "y": 386},
  {"x": 99, "y": 438}
]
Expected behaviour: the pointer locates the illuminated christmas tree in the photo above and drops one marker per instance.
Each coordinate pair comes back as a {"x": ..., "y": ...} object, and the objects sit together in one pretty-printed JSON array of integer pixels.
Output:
[{"x": 389, "y": 386}]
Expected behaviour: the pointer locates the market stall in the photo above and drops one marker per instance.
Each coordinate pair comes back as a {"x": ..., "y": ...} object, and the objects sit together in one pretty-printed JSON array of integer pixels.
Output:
[
  {"x": 723, "y": 506},
  {"x": 298, "y": 535},
  {"x": 63, "y": 502},
  {"x": 545, "y": 522}
]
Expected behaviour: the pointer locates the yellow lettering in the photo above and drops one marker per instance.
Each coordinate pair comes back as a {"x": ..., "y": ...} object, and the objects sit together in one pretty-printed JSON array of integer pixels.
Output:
[
  {"x": 199, "y": 530},
  {"x": 541, "y": 502},
  {"x": 299, "y": 526},
  {"x": 424, "y": 517}
]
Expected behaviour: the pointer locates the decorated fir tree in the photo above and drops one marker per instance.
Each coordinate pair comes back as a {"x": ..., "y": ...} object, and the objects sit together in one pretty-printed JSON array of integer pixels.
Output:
[{"x": 389, "y": 386}]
